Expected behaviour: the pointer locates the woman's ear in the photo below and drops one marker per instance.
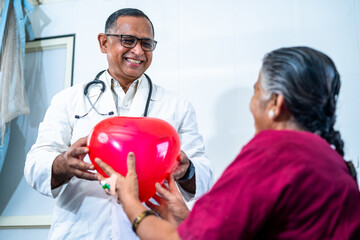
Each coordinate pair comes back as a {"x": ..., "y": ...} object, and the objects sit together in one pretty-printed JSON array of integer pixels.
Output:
[
  {"x": 271, "y": 107},
  {"x": 103, "y": 42},
  {"x": 280, "y": 108}
]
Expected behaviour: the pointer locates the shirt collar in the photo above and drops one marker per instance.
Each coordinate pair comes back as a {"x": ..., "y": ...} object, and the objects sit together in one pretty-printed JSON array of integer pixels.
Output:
[
  {"x": 119, "y": 94},
  {"x": 115, "y": 84}
]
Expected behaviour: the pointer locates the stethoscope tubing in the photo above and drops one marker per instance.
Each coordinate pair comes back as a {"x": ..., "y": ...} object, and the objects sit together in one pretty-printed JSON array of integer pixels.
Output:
[{"x": 98, "y": 81}]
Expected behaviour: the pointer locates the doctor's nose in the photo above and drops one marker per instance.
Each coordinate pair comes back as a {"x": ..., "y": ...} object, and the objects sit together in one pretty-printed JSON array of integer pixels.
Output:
[{"x": 137, "y": 49}]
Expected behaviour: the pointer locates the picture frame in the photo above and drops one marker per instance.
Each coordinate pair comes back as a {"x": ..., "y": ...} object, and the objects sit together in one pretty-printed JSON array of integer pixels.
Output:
[{"x": 63, "y": 41}]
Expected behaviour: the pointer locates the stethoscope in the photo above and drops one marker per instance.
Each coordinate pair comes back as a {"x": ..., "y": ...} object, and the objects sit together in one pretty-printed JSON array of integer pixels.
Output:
[{"x": 102, "y": 90}]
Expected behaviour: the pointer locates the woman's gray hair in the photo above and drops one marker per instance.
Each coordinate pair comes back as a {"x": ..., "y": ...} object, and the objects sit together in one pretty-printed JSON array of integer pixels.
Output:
[{"x": 310, "y": 84}]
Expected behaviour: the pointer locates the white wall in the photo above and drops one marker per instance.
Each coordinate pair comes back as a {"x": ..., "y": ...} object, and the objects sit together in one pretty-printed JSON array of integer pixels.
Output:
[{"x": 210, "y": 52}]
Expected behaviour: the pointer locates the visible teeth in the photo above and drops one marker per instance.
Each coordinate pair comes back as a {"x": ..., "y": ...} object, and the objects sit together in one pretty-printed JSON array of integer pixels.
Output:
[{"x": 133, "y": 61}]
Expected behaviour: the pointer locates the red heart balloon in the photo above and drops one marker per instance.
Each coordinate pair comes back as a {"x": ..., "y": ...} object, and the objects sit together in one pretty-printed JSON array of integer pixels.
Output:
[{"x": 154, "y": 142}]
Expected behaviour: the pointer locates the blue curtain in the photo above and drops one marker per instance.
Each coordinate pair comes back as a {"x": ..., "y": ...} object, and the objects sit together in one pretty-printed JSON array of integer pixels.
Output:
[{"x": 22, "y": 9}]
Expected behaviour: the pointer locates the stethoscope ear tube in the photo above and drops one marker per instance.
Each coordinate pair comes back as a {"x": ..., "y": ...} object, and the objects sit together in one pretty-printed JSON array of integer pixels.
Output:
[
  {"x": 86, "y": 89},
  {"x": 95, "y": 81}
]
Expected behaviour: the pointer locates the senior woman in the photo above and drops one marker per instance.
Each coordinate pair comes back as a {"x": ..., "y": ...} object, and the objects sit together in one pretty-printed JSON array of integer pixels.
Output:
[{"x": 289, "y": 182}]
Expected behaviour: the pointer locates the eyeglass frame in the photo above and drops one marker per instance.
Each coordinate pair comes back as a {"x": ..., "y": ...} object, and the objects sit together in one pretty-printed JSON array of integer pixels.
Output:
[{"x": 137, "y": 39}]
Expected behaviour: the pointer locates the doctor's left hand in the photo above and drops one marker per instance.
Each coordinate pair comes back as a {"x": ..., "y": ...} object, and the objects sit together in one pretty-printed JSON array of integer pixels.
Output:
[
  {"x": 70, "y": 164},
  {"x": 183, "y": 166},
  {"x": 180, "y": 171}
]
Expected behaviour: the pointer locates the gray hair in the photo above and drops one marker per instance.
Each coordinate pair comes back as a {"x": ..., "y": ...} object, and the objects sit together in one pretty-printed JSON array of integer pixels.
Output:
[{"x": 310, "y": 84}]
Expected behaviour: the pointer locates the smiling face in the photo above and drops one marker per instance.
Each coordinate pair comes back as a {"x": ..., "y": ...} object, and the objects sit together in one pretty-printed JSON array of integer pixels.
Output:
[{"x": 127, "y": 64}]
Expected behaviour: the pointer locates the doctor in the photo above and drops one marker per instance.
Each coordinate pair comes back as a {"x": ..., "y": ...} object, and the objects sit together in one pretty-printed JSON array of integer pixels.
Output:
[{"x": 57, "y": 164}]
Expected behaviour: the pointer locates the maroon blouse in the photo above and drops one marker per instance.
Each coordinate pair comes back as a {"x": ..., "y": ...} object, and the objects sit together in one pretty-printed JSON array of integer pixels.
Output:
[{"x": 282, "y": 185}]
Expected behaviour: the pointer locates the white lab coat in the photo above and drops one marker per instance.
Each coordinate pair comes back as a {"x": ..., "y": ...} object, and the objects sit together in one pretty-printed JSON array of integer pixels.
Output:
[{"x": 83, "y": 210}]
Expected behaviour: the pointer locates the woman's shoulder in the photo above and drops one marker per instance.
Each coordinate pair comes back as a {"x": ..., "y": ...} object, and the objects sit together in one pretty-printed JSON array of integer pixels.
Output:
[
  {"x": 278, "y": 146},
  {"x": 279, "y": 138}
]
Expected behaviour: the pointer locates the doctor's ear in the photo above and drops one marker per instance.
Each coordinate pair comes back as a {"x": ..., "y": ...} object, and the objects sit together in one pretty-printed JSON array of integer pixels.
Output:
[{"x": 103, "y": 42}]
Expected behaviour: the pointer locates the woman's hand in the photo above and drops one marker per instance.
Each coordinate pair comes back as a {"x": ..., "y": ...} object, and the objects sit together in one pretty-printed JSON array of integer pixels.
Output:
[
  {"x": 171, "y": 204},
  {"x": 126, "y": 189}
]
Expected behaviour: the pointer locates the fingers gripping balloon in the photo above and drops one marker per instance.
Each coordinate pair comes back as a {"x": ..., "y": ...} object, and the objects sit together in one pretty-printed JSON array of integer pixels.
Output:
[{"x": 155, "y": 143}]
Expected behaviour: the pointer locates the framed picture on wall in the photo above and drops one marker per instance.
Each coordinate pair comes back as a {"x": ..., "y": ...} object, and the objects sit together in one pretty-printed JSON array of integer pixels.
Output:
[
  {"x": 48, "y": 69},
  {"x": 66, "y": 43}
]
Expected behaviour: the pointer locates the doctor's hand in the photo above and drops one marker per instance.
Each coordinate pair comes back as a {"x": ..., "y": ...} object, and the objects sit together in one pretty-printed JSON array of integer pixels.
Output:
[
  {"x": 189, "y": 185},
  {"x": 70, "y": 164},
  {"x": 184, "y": 164}
]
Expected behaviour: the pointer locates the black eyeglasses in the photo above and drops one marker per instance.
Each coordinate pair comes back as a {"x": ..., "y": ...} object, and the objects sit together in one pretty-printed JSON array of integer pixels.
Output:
[{"x": 129, "y": 41}]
